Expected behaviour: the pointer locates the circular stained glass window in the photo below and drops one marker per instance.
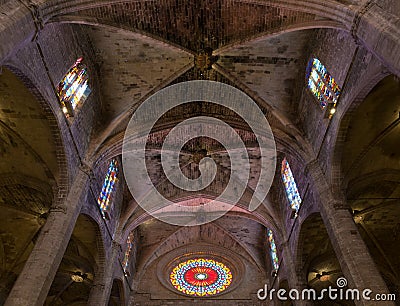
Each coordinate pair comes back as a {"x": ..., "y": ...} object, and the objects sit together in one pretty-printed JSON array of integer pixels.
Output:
[{"x": 201, "y": 277}]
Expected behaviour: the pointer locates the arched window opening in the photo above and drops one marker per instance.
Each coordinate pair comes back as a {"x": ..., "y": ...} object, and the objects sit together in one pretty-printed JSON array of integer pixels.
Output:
[
  {"x": 291, "y": 188},
  {"x": 74, "y": 89},
  {"x": 104, "y": 199},
  {"x": 128, "y": 253},
  {"x": 273, "y": 252},
  {"x": 322, "y": 84}
]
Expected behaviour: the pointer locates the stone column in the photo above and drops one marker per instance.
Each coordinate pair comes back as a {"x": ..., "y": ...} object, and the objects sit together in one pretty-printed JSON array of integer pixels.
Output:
[
  {"x": 33, "y": 284},
  {"x": 101, "y": 290},
  {"x": 293, "y": 276},
  {"x": 357, "y": 264}
]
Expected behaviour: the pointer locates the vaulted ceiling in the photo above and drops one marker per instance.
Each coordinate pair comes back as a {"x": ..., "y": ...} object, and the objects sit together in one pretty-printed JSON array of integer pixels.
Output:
[
  {"x": 140, "y": 47},
  {"x": 143, "y": 47},
  {"x": 29, "y": 172},
  {"x": 371, "y": 165}
]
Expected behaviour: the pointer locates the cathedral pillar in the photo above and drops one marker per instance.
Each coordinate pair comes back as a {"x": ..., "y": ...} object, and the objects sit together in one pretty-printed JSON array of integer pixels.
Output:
[
  {"x": 294, "y": 278},
  {"x": 33, "y": 283},
  {"x": 357, "y": 265},
  {"x": 103, "y": 281},
  {"x": 101, "y": 290}
]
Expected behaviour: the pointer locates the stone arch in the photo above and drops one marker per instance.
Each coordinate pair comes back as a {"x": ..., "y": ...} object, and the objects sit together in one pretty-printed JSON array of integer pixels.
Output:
[
  {"x": 315, "y": 255},
  {"x": 372, "y": 198},
  {"x": 34, "y": 176},
  {"x": 82, "y": 266},
  {"x": 58, "y": 128},
  {"x": 344, "y": 122},
  {"x": 24, "y": 208},
  {"x": 206, "y": 240},
  {"x": 117, "y": 296},
  {"x": 205, "y": 234}
]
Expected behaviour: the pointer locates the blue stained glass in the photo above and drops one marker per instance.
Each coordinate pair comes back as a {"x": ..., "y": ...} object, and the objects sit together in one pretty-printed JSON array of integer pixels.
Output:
[
  {"x": 273, "y": 251},
  {"x": 321, "y": 83},
  {"x": 73, "y": 88},
  {"x": 290, "y": 186},
  {"x": 108, "y": 186}
]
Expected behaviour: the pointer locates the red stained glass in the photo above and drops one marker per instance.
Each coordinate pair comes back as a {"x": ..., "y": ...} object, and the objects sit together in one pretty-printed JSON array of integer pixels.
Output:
[{"x": 201, "y": 276}]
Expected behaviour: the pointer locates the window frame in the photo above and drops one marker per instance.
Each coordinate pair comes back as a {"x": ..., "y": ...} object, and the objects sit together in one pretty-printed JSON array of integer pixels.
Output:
[
  {"x": 334, "y": 89},
  {"x": 273, "y": 253},
  {"x": 81, "y": 91},
  {"x": 297, "y": 200},
  {"x": 104, "y": 199}
]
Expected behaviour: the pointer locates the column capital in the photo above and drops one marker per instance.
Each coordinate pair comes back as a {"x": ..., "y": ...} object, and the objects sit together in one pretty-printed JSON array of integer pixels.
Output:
[
  {"x": 58, "y": 208},
  {"x": 87, "y": 169}
]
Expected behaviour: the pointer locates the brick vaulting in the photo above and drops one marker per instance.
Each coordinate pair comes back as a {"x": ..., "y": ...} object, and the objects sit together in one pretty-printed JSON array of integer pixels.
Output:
[{"x": 76, "y": 231}]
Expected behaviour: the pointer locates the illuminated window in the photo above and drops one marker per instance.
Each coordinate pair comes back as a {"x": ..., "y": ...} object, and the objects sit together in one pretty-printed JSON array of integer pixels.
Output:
[
  {"x": 201, "y": 277},
  {"x": 322, "y": 84},
  {"x": 108, "y": 186},
  {"x": 129, "y": 246},
  {"x": 290, "y": 186},
  {"x": 73, "y": 88},
  {"x": 273, "y": 251}
]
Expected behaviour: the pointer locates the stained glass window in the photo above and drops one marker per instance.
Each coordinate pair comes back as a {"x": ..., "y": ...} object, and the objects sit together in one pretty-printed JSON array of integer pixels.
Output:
[
  {"x": 273, "y": 251},
  {"x": 73, "y": 88},
  {"x": 321, "y": 83},
  {"x": 201, "y": 277},
  {"x": 290, "y": 186},
  {"x": 129, "y": 246},
  {"x": 108, "y": 186}
]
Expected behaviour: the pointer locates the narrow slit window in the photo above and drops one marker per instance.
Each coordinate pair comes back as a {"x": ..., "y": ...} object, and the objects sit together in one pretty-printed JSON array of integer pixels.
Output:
[
  {"x": 273, "y": 251},
  {"x": 322, "y": 84},
  {"x": 290, "y": 186},
  {"x": 127, "y": 256},
  {"x": 74, "y": 89},
  {"x": 104, "y": 199}
]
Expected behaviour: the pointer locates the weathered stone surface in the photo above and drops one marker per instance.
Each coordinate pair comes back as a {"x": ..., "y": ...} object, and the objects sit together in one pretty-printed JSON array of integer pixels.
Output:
[{"x": 52, "y": 168}]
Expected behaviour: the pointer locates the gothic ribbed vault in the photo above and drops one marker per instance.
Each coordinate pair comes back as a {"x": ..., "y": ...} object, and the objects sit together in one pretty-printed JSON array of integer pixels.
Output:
[{"x": 57, "y": 244}]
